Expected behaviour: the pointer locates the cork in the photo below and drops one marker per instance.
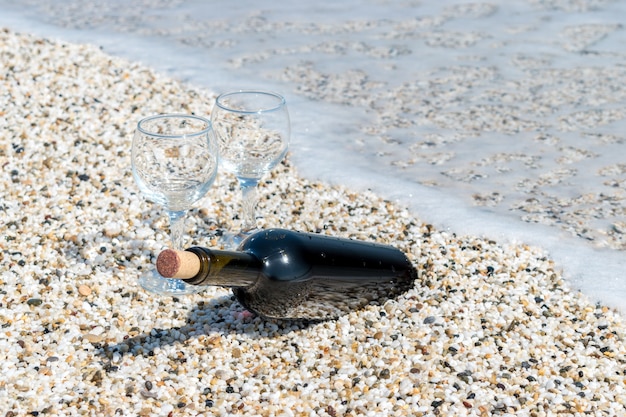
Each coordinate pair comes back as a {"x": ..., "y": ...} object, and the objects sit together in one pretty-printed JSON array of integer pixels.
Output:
[{"x": 177, "y": 264}]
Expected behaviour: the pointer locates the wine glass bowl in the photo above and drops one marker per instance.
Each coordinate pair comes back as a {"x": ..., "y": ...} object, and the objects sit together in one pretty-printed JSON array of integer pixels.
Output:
[
  {"x": 252, "y": 129},
  {"x": 174, "y": 163}
]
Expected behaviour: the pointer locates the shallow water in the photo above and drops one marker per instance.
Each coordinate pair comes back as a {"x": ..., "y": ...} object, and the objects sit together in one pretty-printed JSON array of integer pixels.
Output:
[{"x": 503, "y": 119}]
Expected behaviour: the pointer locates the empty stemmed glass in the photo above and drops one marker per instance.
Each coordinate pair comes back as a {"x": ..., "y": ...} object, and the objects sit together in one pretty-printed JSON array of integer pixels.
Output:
[
  {"x": 174, "y": 161},
  {"x": 252, "y": 129}
]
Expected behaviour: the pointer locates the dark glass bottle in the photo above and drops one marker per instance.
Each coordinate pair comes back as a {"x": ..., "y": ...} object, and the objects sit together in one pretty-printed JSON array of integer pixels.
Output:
[{"x": 279, "y": 273}]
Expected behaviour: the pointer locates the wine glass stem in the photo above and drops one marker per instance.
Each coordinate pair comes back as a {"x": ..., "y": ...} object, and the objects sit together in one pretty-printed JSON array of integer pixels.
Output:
[
  {"x": 248, "y": 195},
  {"x": 177, "y": 222}
]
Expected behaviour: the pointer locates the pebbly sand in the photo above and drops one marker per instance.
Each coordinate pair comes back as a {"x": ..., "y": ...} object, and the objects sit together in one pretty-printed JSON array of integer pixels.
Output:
[{"x": 489, "y": 328}]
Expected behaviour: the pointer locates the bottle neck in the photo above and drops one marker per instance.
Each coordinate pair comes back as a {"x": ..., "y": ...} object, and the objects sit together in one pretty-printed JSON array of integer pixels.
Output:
[{"x": 225, "y": 268}]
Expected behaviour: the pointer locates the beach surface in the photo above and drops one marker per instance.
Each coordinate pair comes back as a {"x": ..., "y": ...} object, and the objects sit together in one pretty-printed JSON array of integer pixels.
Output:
[{"x": 490, "y": 328}]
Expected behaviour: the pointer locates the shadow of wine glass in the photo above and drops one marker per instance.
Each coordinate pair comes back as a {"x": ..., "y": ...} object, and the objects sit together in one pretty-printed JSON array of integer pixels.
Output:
[{"x": 219, "y": 316}]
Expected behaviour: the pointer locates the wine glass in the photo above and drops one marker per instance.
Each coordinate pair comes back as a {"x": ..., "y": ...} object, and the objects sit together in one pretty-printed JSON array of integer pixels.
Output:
[
  {"x": 174, "y": 161},
  {"x": 252, "y": 129}
]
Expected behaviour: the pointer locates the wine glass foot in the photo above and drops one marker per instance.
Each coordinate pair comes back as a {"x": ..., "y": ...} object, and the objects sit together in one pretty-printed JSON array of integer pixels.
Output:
[
  {"x": 152, "y": 282},
  {"x": 231, "y": 241}
]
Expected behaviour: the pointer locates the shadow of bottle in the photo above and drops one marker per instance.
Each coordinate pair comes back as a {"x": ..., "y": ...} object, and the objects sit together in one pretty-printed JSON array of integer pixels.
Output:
[{"x": 218, "y": 316}]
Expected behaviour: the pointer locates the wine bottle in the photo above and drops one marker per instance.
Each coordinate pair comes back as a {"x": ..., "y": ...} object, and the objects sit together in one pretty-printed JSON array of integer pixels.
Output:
[{"x": 279, "y": 273}]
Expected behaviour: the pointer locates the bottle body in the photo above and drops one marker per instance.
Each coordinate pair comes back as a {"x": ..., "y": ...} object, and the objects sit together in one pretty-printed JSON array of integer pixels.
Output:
[{"x": 311, "y": 276}]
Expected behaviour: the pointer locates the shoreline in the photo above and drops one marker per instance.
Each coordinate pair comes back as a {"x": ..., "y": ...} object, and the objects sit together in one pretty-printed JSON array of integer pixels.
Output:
[
  {"x": 489, "y": 327},
  {"x": 559, "y": 186}
]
